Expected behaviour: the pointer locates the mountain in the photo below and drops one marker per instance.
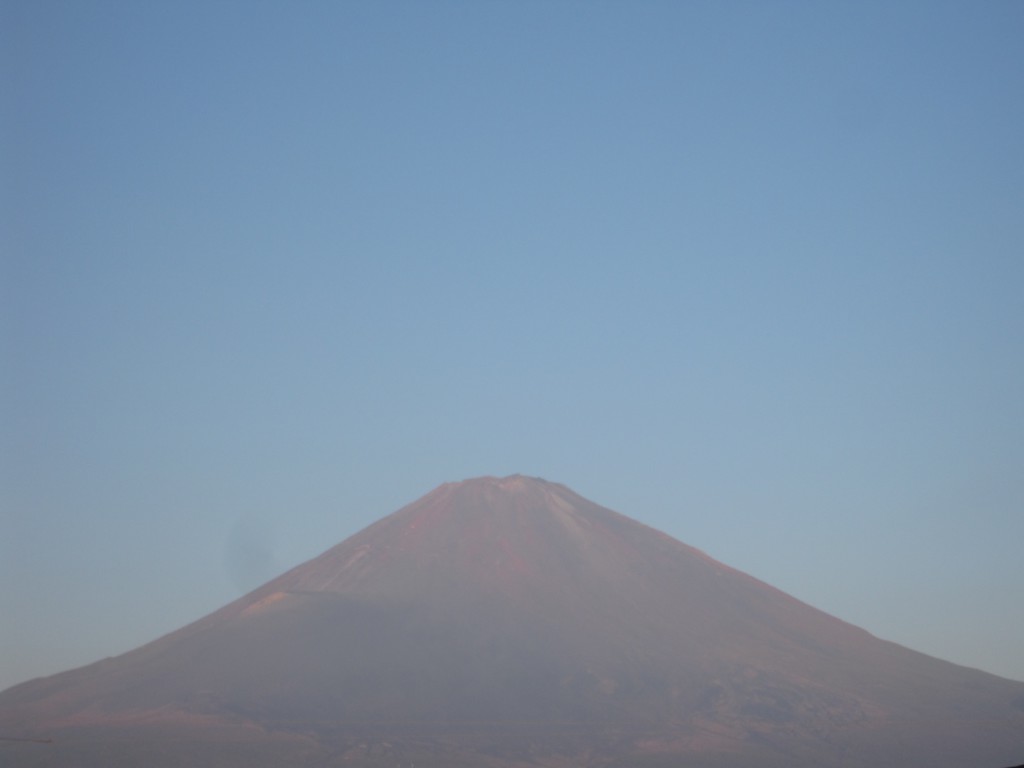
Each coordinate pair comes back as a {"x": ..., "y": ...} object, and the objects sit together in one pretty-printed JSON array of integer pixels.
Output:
[{"x": 510, "y": 622}]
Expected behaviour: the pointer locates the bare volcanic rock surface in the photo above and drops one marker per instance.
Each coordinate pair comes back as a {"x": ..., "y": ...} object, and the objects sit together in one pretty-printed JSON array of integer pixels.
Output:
[{"x": 511, "y": 622}]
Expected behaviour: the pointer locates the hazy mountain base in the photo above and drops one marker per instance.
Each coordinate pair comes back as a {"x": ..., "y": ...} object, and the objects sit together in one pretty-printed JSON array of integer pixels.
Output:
[
  {"x": 187, "y": 753},
  {"x": 533, "y": 747},
  {"x": 232, "y": 747}
]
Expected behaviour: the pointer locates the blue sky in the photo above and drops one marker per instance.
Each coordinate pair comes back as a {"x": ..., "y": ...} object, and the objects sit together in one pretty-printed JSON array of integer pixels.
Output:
[{"x": 750, "y": 273}]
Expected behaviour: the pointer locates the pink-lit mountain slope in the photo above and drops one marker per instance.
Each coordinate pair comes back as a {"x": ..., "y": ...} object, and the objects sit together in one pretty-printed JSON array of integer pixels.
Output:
[{"x": 511, "y": 622}]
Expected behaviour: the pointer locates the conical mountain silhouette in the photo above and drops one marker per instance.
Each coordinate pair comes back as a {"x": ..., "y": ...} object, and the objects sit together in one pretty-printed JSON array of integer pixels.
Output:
[{"x": 512, "y": 622}]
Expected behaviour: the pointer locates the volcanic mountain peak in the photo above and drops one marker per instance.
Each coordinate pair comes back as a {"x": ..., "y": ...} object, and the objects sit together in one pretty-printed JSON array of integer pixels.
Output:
[
  {"x": 509, "y": 534},
  {"x": 505, "y": 495},
  {"x": 514, "y": 482},
  {"x": 510, "y": 622}
]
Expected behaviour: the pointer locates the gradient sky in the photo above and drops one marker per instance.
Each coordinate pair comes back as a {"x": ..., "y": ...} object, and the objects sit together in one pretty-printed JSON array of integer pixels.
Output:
[{"x": 751, "y": 273}]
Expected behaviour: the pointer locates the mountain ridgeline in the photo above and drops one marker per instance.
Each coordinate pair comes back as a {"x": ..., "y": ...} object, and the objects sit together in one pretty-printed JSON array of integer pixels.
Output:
[{"x": 510, "y": 622}]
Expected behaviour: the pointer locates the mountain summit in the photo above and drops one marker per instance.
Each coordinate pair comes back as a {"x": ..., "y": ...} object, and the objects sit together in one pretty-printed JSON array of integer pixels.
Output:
[{"x": 511, "y": 622}]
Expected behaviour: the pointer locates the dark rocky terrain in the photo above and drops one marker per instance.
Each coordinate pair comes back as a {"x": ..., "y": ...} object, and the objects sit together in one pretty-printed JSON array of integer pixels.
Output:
[{"x": 510, "y": 622}]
